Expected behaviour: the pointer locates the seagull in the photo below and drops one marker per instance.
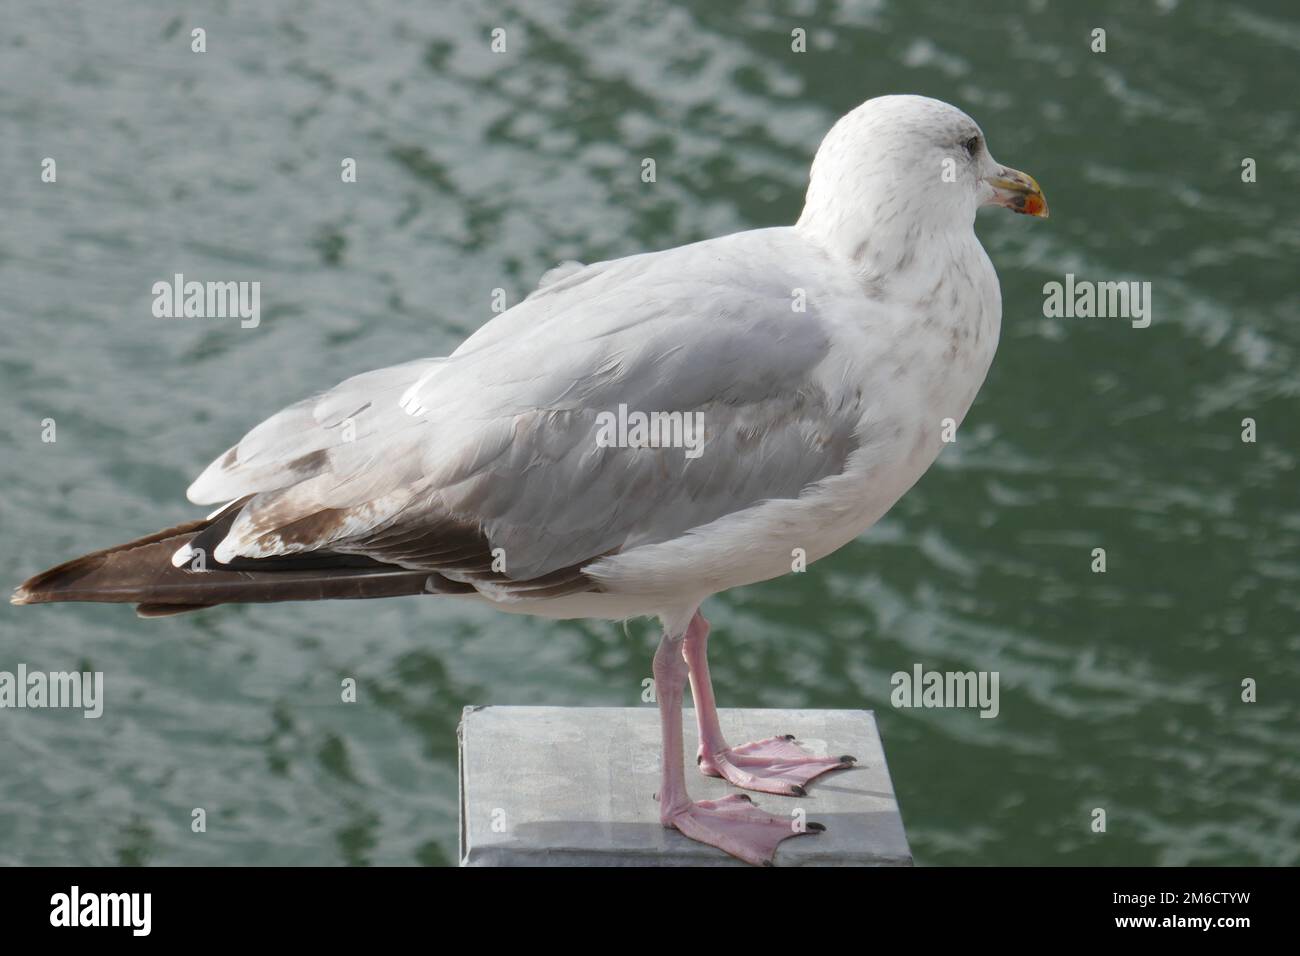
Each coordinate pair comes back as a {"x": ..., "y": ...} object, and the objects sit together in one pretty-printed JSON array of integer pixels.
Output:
[{"x": 775, "y": 392}]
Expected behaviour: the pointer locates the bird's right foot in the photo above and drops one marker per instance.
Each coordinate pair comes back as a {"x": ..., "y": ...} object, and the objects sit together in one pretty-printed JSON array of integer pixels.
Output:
[{"x": 776, "y": 765}]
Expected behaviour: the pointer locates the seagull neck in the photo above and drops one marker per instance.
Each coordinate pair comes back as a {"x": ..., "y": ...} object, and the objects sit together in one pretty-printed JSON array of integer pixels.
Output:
[{"x": 882, "y": 251}]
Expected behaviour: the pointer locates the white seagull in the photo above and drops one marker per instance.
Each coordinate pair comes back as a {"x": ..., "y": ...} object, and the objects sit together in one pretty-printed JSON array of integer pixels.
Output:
[{"x": 796, "y": 382}]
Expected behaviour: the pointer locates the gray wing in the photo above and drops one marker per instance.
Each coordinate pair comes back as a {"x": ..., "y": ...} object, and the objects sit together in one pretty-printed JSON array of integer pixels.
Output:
[{"x": 438, "y": 463}]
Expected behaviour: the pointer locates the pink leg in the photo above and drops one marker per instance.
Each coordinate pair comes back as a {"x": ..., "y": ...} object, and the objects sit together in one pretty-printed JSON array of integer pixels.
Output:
[
  {"x": 774, "y": 765},
  {"x": 732, "y": 824}
]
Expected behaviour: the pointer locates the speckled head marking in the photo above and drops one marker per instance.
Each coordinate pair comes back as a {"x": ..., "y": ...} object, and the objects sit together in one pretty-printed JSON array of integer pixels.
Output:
[{"x": 906, "y": 166}]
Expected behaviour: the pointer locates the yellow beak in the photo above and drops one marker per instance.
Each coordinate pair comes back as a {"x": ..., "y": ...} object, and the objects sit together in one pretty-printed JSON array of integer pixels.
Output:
[{"x": 1019, "y": 192}]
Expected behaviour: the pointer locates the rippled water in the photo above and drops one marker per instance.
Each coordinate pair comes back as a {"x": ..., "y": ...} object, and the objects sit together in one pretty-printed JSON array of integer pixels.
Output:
[{"x": 477, "y": 171}]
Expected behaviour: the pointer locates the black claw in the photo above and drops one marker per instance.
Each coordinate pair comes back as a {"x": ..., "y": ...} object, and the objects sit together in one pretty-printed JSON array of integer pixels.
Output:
[
  {"x": 787, "y": 736},
  {"x": 798, "y": 792},
  {"x": 699, "y": 759},
  {"x": 746, "y": 797},
  {"x": 848, "y": 758},
  {"x": 816, "y": 828},
  {"x": 768, "y": 863}
]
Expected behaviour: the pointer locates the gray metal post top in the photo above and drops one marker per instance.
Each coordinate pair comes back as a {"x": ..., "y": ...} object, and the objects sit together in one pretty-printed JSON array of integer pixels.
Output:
[{"x": 574, "y": 786}]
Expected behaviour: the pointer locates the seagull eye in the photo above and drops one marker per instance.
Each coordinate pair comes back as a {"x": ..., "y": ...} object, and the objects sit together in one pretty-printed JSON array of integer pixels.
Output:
[{"x": 971, "y": 145}]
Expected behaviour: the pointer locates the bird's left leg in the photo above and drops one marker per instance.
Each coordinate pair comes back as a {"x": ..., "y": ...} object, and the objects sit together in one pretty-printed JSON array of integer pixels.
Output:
[
  {"x": 774, "y": 765},
  {"x": 732, "y": 824}
]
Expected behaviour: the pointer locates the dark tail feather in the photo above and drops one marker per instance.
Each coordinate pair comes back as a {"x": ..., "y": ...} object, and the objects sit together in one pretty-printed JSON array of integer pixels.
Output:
[
  {"x": 168, "y": 610},
  {"x": 141, "y": 572}
]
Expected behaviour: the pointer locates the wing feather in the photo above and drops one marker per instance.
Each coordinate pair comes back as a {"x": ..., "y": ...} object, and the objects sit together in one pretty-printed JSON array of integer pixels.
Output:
[{"x": 440, "y": 462}]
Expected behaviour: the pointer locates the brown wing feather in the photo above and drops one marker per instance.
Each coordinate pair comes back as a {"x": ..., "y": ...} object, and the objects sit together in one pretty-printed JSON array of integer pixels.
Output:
[{"x": 398, "y": 561}]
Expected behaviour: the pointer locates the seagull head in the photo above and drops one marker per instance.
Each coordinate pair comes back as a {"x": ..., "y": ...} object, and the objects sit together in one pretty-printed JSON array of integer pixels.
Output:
[{"x": 910, "y": 164}]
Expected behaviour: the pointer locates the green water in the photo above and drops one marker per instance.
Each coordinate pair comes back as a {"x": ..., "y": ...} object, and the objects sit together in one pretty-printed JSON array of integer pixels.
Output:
[{"x": 476, "y": 170}]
